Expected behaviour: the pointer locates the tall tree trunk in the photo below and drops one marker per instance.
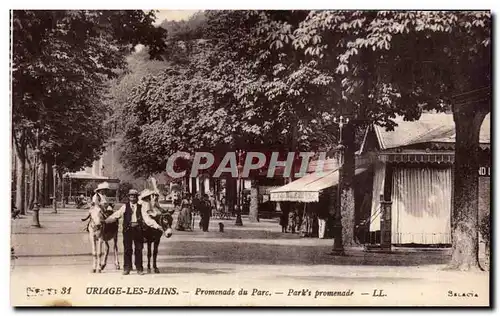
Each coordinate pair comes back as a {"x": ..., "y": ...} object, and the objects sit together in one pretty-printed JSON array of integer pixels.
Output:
[
  {"x": 54, "y": 190},
  {"x": 293, "y": 147},
  {"x": 41, "y": 183},
  {"x": 254, "y": 201},
  {"x": 216, "y": 186},
  {"x": 230, "y": 194},
  {"x": 35, "y": 180},
  {"x": 347, "y": 207},
  {"x": 20, "y": 179},
  {"x": 202, "y": 185},
  {"x": 29, "y": 188},
  {"x": 27, "y": 171},
  {"x": 465, "y": 247},
  {"x": 193, "y": 186},
  {"x": 32, "y": 185}
]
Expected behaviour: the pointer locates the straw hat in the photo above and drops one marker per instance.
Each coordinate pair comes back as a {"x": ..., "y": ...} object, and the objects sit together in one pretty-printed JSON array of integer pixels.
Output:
[
  {"x": 146, "y": 193},
  {"x": 102, "y": 186}
]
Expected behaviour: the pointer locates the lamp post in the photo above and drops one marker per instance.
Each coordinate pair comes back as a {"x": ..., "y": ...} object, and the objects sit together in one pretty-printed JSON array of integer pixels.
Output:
[
  {"x": 69, "y": 181},
  {"x": 338, "y": 247},
  {"x": 36, "y": 204},
  {"x": 62, "y": 191},
  {"x": 239, "y": 222}
]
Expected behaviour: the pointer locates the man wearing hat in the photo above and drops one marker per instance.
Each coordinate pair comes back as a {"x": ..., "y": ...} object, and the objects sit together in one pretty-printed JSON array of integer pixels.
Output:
[{"x": 134, "y": 216}]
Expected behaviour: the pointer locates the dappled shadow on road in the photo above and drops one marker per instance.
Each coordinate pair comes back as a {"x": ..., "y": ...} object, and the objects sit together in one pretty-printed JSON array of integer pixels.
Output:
[
  {"x": 51, "y": 264},
  {"x": 247, "y": 234},
  {"x": 52, "y": 233},
  {"x": 180, "y": 270},
  {"x": 272, "y": 254},
  {"x": 349, "y": 278},
  {"x": 262, "y": 252},
  {"x": 69, "y": 220}
]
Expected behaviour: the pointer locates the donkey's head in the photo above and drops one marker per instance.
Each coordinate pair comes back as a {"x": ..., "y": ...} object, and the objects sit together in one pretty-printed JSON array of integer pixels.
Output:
[
  {"x": 97, "y": 217},
  {"x": 166, "y": 224}
]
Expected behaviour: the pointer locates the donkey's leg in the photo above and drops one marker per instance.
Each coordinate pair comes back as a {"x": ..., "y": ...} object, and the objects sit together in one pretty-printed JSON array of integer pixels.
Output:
[
  {"x": 106, "y": 252},
  {"x": 115, "y": 241},
  {"x": 99, "y": 254},
  {"x": 149, "y": 256},
  {"x": 92, "y": 242},
  {"x": 155, "y": 253}
]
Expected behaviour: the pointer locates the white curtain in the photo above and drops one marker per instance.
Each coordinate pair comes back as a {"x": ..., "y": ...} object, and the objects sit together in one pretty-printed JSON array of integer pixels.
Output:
[
  {"x": 421, "y": 205},
  {"x": 378, "y": 188}
]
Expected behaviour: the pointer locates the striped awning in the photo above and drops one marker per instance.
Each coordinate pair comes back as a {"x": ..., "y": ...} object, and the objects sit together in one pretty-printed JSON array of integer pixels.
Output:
[
  {"x": 307, "y": 188},
  {"x": 263, "y": 189}
]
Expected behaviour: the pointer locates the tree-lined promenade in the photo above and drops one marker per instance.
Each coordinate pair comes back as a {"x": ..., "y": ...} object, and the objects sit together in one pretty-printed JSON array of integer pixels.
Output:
[
  {"x": 258, "y": 81},
  {"x": 256, "y": 255}
]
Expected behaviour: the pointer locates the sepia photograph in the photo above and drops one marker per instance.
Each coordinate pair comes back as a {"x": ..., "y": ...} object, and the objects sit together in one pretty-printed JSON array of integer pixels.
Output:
[{"x": 180, "y": 158}]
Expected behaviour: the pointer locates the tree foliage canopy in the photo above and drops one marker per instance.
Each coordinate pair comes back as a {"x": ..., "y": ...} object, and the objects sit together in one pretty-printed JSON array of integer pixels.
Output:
[
  {"x": 62, "y": 61},
  {"x": 404, "y": 61},
  {"x": 276, "y": 79},
  {"x": 234, "y": 92}
]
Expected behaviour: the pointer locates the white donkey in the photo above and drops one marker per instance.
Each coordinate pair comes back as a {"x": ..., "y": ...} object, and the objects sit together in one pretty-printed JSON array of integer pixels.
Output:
[{"x": 101, "y": 233}]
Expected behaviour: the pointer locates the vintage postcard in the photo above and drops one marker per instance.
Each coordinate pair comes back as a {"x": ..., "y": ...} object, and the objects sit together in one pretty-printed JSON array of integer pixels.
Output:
[{"x": 250, "y": 158}]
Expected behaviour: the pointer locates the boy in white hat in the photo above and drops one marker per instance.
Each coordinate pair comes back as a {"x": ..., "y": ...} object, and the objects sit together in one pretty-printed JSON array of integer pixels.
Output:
[
  {"x": 148, "y": 199},
  {"x": 99, "y": 198}
]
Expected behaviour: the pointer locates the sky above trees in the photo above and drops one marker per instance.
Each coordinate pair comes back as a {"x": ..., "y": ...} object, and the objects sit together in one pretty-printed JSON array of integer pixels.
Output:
[{"x": 173, "y": 15}]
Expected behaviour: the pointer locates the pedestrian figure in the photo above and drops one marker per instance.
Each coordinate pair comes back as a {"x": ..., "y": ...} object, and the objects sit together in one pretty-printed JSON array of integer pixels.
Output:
[
  {"x": 307, "y": 223},
  {"x": 322, "y": 218},
  {"x": 197, "y": 206},
  {"x": 205, "y": 212},
  {"x": 134, "y": 219},
  {"x": 213, "y": 204},
  {"x": 300, "y": 218},
  {"x": 223, "y": 207},
  {"x": 185, "y": 214},
  {"x": 284, "y": 221},
  {"x": 292, "y": 221}
]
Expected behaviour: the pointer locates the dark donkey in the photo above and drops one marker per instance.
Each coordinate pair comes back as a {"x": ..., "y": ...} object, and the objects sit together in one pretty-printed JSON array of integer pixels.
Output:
[{"x": 153, "y": 236}]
